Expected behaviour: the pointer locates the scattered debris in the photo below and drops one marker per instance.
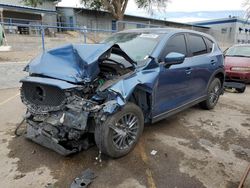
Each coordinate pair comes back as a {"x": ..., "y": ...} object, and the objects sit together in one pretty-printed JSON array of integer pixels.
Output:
[
  {"x": 19, "y": 176},
  {"x": 153, "y": 152},
  {"x": 99, "y": 157},
  {"x": 84, "y": 179},
  {"x": 49, "y": 185},
  {"x": 18, "y": 127},
  {"x": 40, "y": 172}
]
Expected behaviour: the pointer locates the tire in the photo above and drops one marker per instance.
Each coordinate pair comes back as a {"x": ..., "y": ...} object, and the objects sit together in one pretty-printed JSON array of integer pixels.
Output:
[
  {"x": 213, "y": 95},
  {"x": 107, "y": 135}
]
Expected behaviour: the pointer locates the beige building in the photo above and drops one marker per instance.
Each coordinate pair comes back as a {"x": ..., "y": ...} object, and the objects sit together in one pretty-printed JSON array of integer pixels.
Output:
[
  {"x": 228, "y": 31},
  {"x": 15, "y": 11},
  {"x": 102, "y": 20}
]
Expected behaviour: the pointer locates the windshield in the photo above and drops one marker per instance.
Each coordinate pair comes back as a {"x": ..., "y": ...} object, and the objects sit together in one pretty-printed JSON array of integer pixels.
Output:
[
  {"x": 137, "y": 45},
  {"x": 241, "y": 51}
]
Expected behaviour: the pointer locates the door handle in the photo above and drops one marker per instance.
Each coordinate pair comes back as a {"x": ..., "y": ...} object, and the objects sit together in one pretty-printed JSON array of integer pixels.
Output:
[
  {"x": 213, "y": 62},
  {"x": 188, "y": 70}
]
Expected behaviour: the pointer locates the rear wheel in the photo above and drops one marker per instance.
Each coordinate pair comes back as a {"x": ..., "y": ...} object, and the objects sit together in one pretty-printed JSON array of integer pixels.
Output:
[
  {"x": 213, "y": 95},
  {"x": 118, "y": 135}
]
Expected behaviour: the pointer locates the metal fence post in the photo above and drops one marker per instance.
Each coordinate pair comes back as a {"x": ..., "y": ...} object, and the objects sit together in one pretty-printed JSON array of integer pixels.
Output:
[
  {"x": 84, "y": 35},
  {"x": 43, "y": 42},
  {"x": 117, "y": 26}
]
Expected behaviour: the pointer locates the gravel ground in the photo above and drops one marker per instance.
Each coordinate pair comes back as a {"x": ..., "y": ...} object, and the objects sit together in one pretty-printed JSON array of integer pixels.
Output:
[{"x": 195, "y": 148}]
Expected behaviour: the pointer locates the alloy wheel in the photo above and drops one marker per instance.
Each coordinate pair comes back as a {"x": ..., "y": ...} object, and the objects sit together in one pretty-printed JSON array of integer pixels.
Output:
[{"x": 125, "y": 131}]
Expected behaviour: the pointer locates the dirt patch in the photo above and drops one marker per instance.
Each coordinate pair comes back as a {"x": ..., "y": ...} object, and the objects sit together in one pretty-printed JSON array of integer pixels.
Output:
[
  {"x": 194, "y": 145},
  {"x": 245, "y": 124},
  {"x": 241, "y": 152}
]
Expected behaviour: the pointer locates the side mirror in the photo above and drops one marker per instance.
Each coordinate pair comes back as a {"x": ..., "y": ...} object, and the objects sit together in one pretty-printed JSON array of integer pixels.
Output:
[{"x": 174, "y": 58}]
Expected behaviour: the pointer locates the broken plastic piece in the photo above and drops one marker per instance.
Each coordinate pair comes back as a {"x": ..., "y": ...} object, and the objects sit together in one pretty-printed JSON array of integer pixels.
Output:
[
  {"x": 84, "y": 179},
  {"x": 153, "y": 152}
]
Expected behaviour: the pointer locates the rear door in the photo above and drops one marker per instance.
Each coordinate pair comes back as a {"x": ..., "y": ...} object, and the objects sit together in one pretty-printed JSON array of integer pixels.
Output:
[{"x": 202, "y": 63}]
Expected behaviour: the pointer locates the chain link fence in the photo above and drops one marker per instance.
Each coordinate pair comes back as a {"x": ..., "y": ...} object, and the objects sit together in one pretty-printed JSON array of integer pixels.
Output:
[
  {"x": 27, "y": 39},
  {"x": 225, "y": 40}
]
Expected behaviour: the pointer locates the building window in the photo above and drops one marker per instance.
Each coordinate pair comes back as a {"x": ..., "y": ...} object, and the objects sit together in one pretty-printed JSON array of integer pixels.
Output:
[
  {"x": 224, "y": 30},
  {"x": 240, "y": 29},
  {"x": 113, "y": 23}
]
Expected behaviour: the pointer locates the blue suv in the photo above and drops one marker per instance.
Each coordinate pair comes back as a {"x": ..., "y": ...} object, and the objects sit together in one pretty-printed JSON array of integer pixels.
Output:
[{"x": 78, "y": 95}]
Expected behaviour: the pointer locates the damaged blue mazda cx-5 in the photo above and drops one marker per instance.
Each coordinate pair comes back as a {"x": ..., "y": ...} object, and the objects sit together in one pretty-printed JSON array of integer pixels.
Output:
[{"x": 104, "y": 93}]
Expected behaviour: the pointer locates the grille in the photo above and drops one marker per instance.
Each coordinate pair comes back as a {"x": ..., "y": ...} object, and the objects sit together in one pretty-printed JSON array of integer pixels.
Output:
[{"x": 42, "y": 95}]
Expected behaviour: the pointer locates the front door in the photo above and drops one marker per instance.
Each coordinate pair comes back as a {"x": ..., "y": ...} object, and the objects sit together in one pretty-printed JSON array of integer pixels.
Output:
[{"x": 174, "y": 84}]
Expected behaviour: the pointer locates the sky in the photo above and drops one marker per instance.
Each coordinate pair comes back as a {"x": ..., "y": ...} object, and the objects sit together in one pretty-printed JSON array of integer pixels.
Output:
[{"x": 184, "y": 10}]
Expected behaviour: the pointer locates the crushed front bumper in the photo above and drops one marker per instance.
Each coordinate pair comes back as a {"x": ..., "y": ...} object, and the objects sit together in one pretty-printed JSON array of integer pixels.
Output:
[{"x": 40, "y": 138}]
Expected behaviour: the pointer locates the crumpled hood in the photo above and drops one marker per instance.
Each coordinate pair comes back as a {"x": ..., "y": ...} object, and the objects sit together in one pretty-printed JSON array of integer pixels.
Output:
[{"x": 72, "y": 63}]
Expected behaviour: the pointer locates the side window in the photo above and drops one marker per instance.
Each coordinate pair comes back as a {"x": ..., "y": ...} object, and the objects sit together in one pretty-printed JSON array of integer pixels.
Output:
[
  {"x": 197, "y": 45},
  {"x": 176, "y": 44},
  {"x": 209, "y": 44}
]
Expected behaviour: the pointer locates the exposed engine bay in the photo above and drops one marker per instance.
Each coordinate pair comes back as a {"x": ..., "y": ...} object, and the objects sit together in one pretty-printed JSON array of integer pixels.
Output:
[{"x": 63, "y": 118}]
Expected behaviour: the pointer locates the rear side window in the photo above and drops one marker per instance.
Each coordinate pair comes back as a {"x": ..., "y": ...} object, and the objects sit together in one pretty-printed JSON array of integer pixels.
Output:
[
  {"x": 176, "y": 44},
  {"x": 197, "y": 45},
  {"x": 209, "y": 44}
]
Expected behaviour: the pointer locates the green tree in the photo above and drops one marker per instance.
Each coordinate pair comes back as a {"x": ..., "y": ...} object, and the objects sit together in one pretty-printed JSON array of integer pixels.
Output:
[
  {"x": 35, "y": 3},
  {"x": 117, "y": 7}
]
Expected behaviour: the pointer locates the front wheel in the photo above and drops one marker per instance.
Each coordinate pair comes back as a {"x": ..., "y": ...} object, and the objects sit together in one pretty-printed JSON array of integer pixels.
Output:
[
  {"x": 118, "y": 135},
  {"x": 213, "y": 95}
]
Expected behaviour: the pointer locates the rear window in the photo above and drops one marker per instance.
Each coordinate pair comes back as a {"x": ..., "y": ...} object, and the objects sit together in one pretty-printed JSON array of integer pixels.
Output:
[
  {"x": 209, "y": 44},
  {"x": 197, "y": 45}
]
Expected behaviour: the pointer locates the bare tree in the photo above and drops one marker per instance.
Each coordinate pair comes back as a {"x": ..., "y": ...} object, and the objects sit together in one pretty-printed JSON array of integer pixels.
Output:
[
  {"x": 246, "y": 4},
  {"x": 35, "y": 3}
]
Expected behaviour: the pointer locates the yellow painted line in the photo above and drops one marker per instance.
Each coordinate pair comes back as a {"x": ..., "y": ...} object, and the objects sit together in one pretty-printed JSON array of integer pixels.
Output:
[
  {"x": 9, "y": 99},
  {"x": 144, "y": 157},
  {"x": 143, "y": 154},
  {"x": 151, "y": 182}
]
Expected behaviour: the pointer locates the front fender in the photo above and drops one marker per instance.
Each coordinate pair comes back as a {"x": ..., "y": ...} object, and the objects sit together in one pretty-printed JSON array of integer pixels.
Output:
[{"x": 126, "y": 87}]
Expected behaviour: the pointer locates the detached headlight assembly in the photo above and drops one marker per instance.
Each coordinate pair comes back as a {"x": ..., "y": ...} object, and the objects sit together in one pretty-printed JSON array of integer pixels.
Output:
[{"x": 241, "y": 69}]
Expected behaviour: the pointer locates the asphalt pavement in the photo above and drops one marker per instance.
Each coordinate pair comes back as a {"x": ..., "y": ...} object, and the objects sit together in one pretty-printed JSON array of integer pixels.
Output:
[{"x": 11, "y": 73}]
